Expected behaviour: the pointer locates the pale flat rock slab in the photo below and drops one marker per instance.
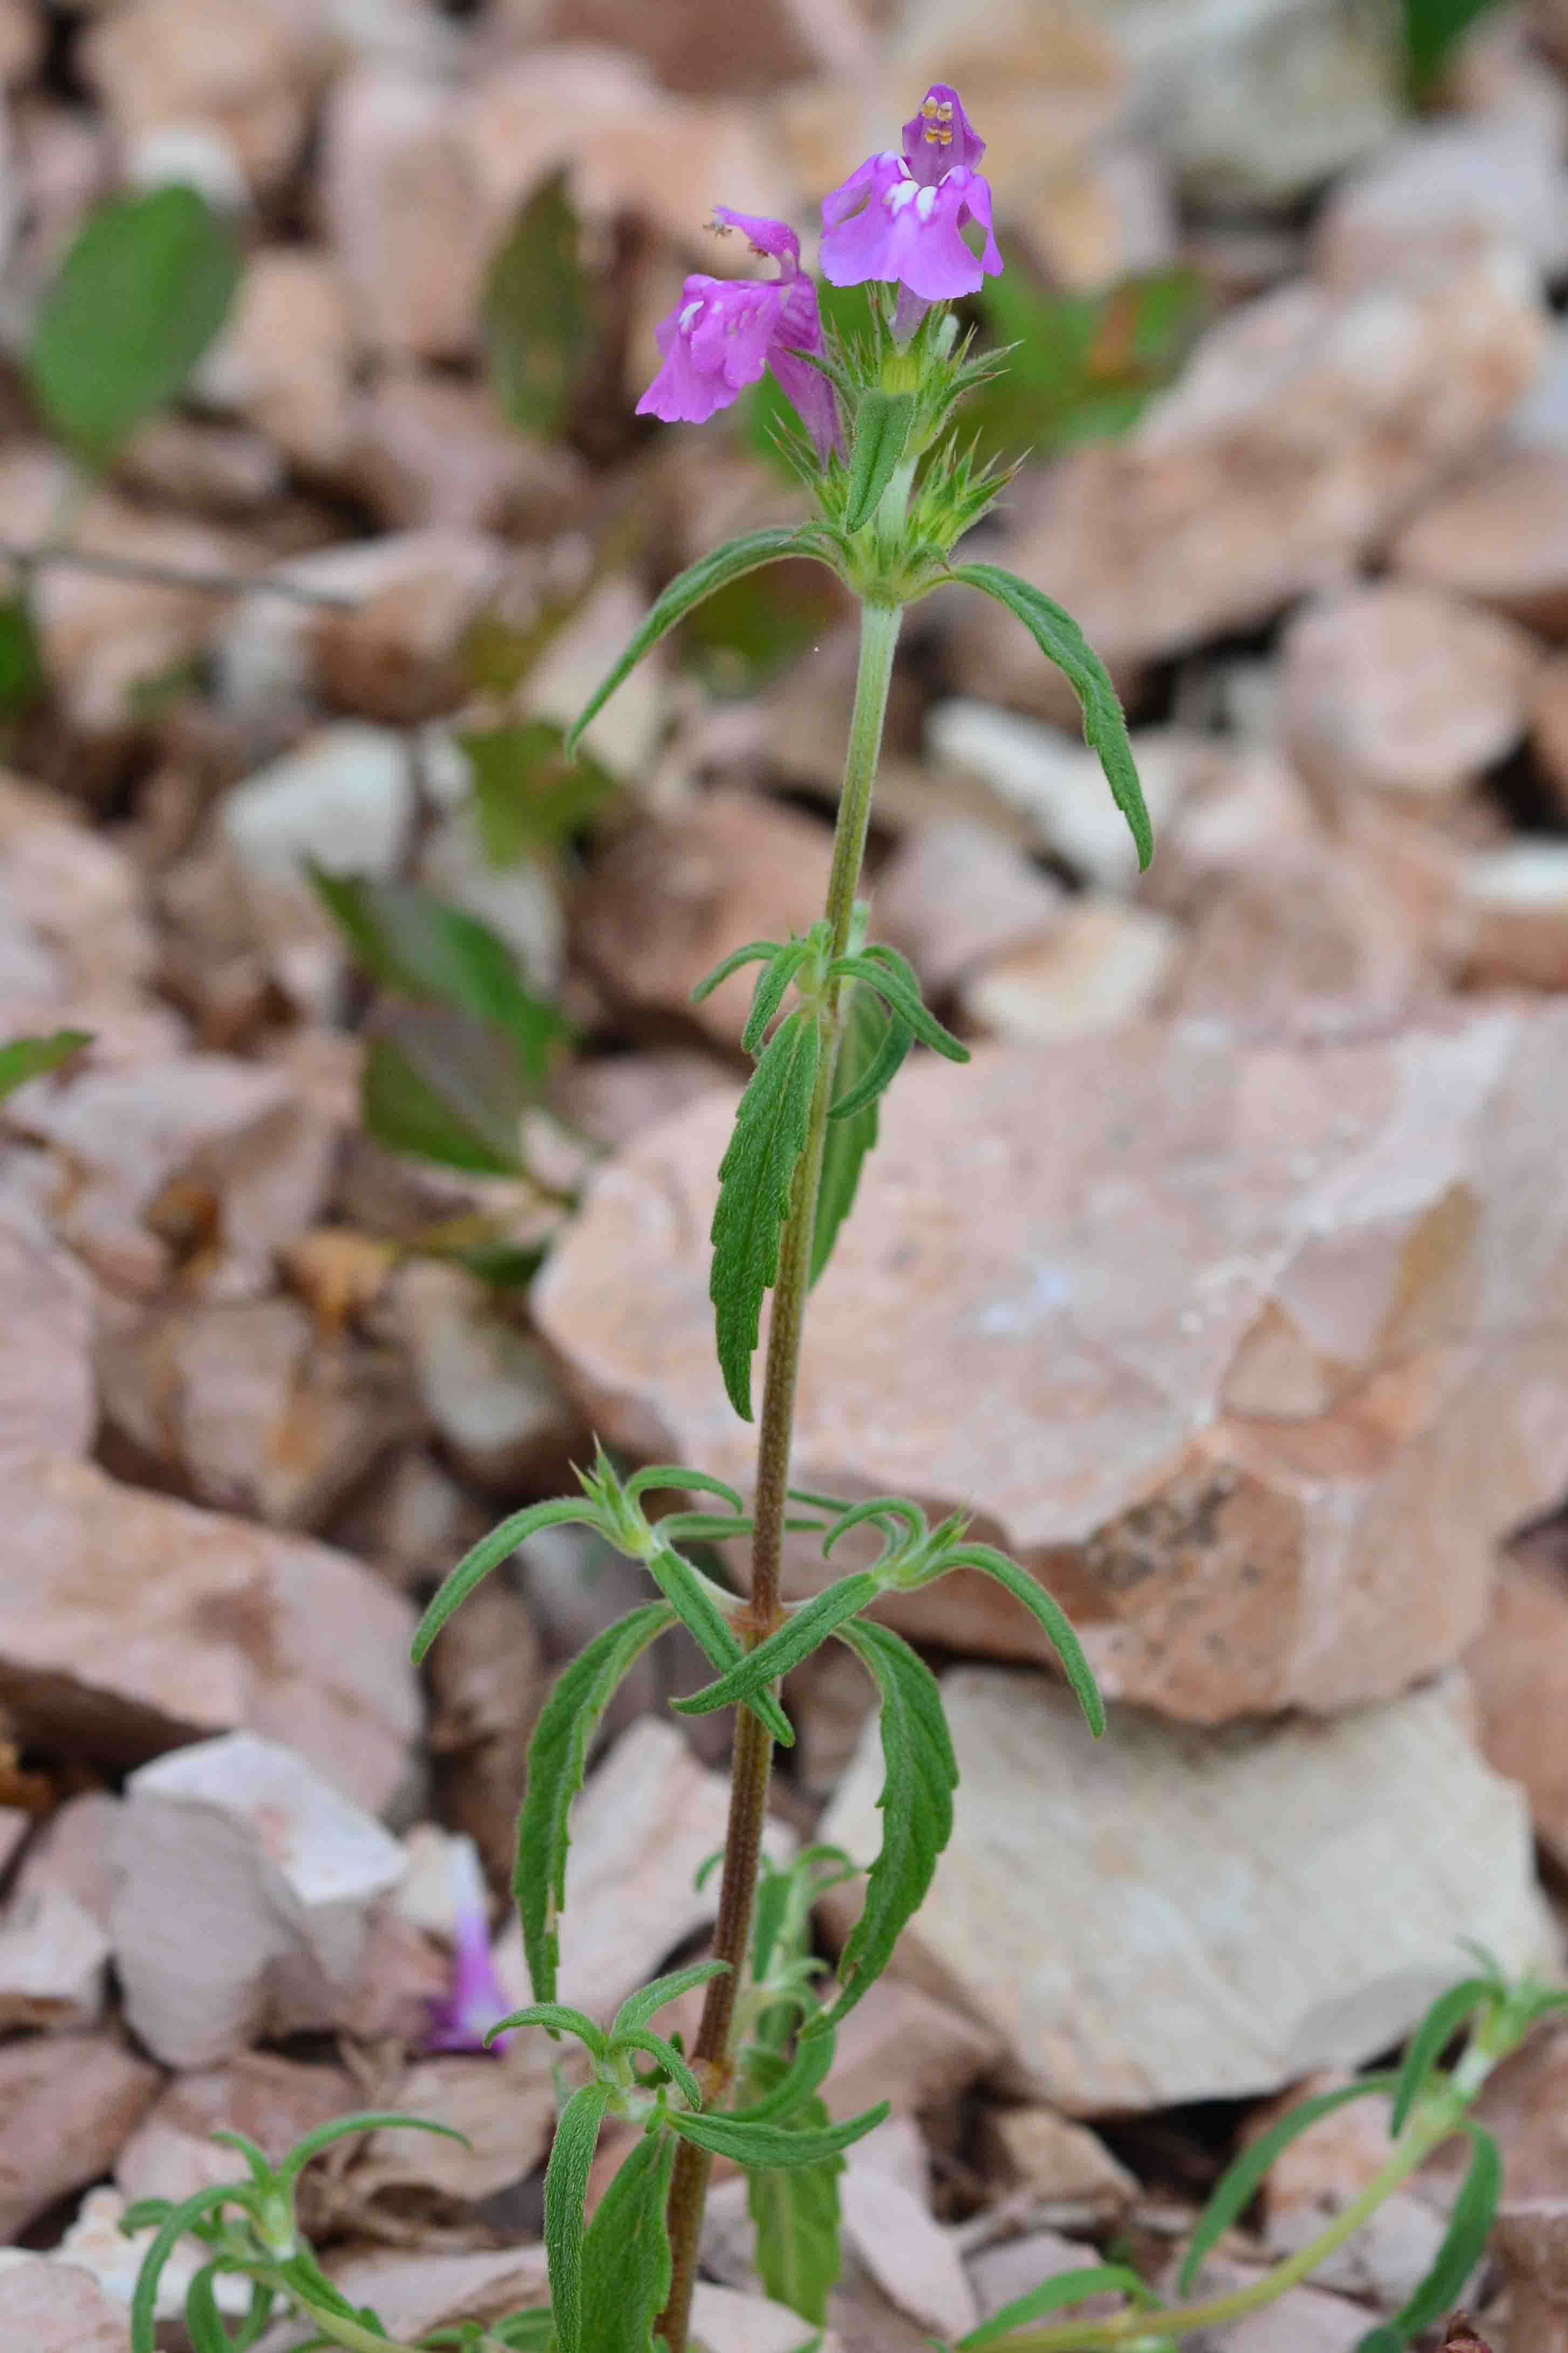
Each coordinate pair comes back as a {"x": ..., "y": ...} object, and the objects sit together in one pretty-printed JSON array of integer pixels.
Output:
[
  {"x": 488, "y": 1388},
  {"x": 649, "y": 1818},
  {"x": 67, "y": 2104},
  {"x": 1508, "y": 923},
  {"x": 272, "y": 2100},
  {"x": 1491, "y": 174},
  {"x": 1303, "y": 2320},
  {"x": 130, "y": 1623},
  {"x": 46, "y": 1393},
  {"x": 1519, "y": 1669},
  {"x": 503, "y": 2106},
  {"x": 888, "y": 2220},
  {"x": 54, "y": 2307},
  {"x": 1064, "y": 2166},
  {"x": 1134, "y": 1933},
  {"x": 413, "y": 2293},
  {"x": 1251, "y": 1354},
  {"x": 1301, "y": 429},
  {"x": 54, "y": 1961},
  {"x": 956, "y": 894},
  {"x": 70, "y": 898},
  {"x": 1397, "y": 689},
  {"x": 724, "y": 2321},
  {"x": 1106, "y": 964},
  {"x": 1499, "y": 535},
  {"x": 244, "y": 1898},
  {"x": 899, "y": 2044}
]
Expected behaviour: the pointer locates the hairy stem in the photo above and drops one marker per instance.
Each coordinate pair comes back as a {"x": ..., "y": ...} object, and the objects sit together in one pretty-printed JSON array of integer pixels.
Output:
[{"x": 753, "y": 1745}]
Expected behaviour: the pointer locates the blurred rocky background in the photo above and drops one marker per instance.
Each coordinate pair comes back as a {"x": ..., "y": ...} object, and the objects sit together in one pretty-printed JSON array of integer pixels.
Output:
[{"x": 1229, "y": 1286}]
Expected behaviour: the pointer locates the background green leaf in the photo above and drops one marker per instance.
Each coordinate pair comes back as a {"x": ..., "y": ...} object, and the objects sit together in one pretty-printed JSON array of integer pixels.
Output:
[
  {"x": 1431, "y": 30},
  {"x": 140, "y": 297},
  {"x": 443, "y": 1087},
  {"x": 22, "y": 1059},
  {"x": 1239, "y": 2184},
  {"x": 540, "y": 313},
  {"x": 528, "y": 796}
]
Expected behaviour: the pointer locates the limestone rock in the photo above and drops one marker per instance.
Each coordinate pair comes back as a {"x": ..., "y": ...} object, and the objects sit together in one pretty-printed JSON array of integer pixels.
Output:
[
  {"x": 1105, "y": 964},
  {"x": 1001, "y": 2273},
  {"x": 1249, "y": 1356},
  {"x": 625, "y": 735},
  {"x": 130, "y": 1624},
  {"x": 242, "y": 1903},
  {"x": 67, "y": 2104},
  {"x": 1492, "y": 175},
  {"x": 215, "y": 63},
  {"x": 72, "y": 909},
  {"x": 272, "y": 2100},
  {"x": 1394, "y": 689},
  {"x": 1303, "y": 425},
  {"x": 1548, "y": 726},
  {"x": 488, "y": 1386},
  {"x": 398, "y": 657},
  {"x": 885, "y": 2196},
  {"x": 1500, "y": 535},
  {"x": 505, "y": 2111},
  {"x": 227, "y": 472},
  {"x": 1303, "y": 2320},
  {"x": 1531, "y": 2237},
  {"x": 954, "y": 895},
  {"x": 698, "y": 52},
  {"x": 1520, "y": 1672},
  {"x": 429, "y": 451},
  {"x": 53, "y": 1961},
  {"x": 284, "y": 357},
  {"x": 54, "y": 2307},
  {"x": 899, "y": 2044},
  {"x": 521, "y": 903},
  {"x": 47, "y": 1397},
  {"x": 1509, "y": 921},
  {"x": 1116, "y": 1987},
  {"x": 668, "y": 901},
  {"x": 1068, "y": 2170}
]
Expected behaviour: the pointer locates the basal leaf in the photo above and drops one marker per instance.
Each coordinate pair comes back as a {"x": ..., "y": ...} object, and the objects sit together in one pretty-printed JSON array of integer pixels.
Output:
[
  {"x": 22, "y": 1059},
  {"x": 919, "y": 1775},
  {"x": 1066, "y": 2287},
  {"x": 528, "y": 796},
  {"x": 1048, "y": 1614},
  {"x": 883, "y": 969},
  {"x": 711, "y": 1631},
  {"x": 141, "y": 293},
  {"x": 774, "y": 2145},
  {"x": 563, "y": 1511},
  {"x": 565, "y": 2187},
  {"x": 1239, "y": 2184},
  {"x": 442, "y": 1086},
  {"x": 755, "y": 1178},
  {"x": 625, "y": 2254},
  {"x": 557, "y": 1756},
  {"x": 1061, "y": 641},
  {"x": 1431, "y": 2037},
  {"x": 688, "y": 589},
  {"x": 795, "y": 2216},
  {"x": 881, "y": 436},
  {"x": 870, "y": 1052},
  {"x": 540, "y": 313},
  {"x": 1464, "y": 2241},
  {"x": 802, "y": 1633}
]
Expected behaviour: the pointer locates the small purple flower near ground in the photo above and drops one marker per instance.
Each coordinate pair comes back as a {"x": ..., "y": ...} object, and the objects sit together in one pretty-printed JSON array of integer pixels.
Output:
[
  {"x": 723, "y": 333},
  {"x": 476, "y": 2000},
  {"x": 898, "y": 217}
]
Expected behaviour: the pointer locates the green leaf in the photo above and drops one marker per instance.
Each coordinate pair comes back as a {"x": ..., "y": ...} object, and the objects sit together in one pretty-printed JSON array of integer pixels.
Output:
[
  {"x": 802, "y": 1633},
  {"x": 539, "y": 317},
  {"x": 881, "y": 436},
  {"x": 754, "y": 952},
  {"x": 883, "y": 969},
  {"x": 675, "y": 1478},
  {"x": 1432, "y": 29},
  {"x": 755, "y": 1178},
  {"x": 1239, "y": 2184},
  {"x": 565, "y": 2187},
  {"x": 365, "y": 2120},
  {"x": 22, "y": 675},
  {"x": 563, "y": 1511},
  {"x": 687, "y": 590},
  {"x": 711, "y": 1631},
  {"x": 919, "y": 1775},
  {"x": 1067, "y": 2287},
  {"x": 22, "y": 1059},
  {"x": 1429, "y": 2042},
  {"x": 655, "y": 2046},
  {"x": 170, "y": 2231},
  {"x": 556, "y": 2017},
  {"x": 794, "y": 2215},
  {"x": 798, "y": 2083},
  {"x": 871, "y": 1049},
  {"x": 1464, "y": 2241},
  {"x": 769, "y": 993},
  {"x": 1048, "y": 1614},
  {"x": 410, "y": 940},
  {"x": 557, "y": 1755},
  {"x": 205, "y": 2324},
  {"x": 774, "y": 2146},
  {"x": 141, "y": 295},
  {"x": 626, "y": 2255},
  {"x": 527, "y": 795},
  {"x": 441, "y": 1086},
  {"x": 638, "y": 2008},
  {"x": 1061, "y": 641}
]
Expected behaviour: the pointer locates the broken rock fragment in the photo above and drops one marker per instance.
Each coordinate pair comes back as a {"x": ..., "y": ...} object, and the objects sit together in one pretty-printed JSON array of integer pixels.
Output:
[{"x": 67, "y": 2104}]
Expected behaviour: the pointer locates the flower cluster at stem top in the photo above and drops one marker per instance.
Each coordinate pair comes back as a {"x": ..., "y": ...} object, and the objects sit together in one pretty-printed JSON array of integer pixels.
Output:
[{"x": 897, "y": 221}]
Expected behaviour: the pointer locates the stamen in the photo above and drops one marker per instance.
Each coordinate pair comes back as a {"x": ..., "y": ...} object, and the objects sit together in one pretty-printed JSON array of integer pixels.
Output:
[{"x": 930, "y": 110}]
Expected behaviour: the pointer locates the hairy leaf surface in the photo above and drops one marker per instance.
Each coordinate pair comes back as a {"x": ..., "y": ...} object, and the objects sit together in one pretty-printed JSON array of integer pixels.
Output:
[{"x": 755, "y": 1178}]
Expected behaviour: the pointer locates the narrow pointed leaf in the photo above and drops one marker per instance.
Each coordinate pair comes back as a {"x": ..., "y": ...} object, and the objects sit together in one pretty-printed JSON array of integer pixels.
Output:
[
  {"x": 807, "y": 2070},
  {"x": 919, "y": 1775},
  {"x": 639, "y": 2007},
  {"x": 1061, "y": 641},
  {"x": 1463, "y": 2243},
  {"x": 1067, "y": 2287},
  {"x": 170, "y": 2231},
  {"x": 673, "y": 1477},
  {"x": 204, "y": 2324},
  {"x": 794, "y": 2217},
  {"x": 1050, "y": 1615},
  {"x": 769, "y": 993},
  {"x": 655, "y": 2046},
  {"x": 876, "y": 1075},
  {"x": 565, "y": 2187},
  {"x": 754, "y": 952},
  {"x": 874, "y": 1513},
  {"x": 755, "y": 1178},
  {"x": 558, "y": 2019},
  {"x": 713, "y": 1632},
  {"x": 895, "y": 984},
  {"x": 1237, "y": 2186},
  {"x": 802, "y": 1633},
  {"x": 625, "y": 2254},
  {"x": 29, "y": 1058},
  {"x": 345, "y": 2128},
  {"x": 1428, "y": 2042},
  {"x": 776, "y": 2146},
  {"x": 853, "y": 1120},
  {"x": 881, "y": 436},
  {"x": 688, "y": 589},
  {"x": 557, "y": 1755},
  {"x": 488, "y": 1552}
]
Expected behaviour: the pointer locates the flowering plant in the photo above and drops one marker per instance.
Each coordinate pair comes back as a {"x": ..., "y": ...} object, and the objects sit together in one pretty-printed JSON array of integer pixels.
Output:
[{"x": 895, "y": 490}]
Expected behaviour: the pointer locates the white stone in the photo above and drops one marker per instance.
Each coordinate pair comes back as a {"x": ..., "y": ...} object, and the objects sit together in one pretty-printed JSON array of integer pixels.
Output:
[
  {"x": 1105, "y": 963},
  {"x": 1050, "y": 779}
]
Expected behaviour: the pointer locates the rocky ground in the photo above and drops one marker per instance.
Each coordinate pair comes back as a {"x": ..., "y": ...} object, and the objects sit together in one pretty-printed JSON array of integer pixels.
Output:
[{"x": 1229, "y": 1285}]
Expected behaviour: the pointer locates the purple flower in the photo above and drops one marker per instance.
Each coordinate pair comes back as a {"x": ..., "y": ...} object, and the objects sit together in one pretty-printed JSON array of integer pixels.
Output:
[
  {"x": 477, "y": 1999},
  {"x": 725, "y": 331},
  {"x": 898, "y": 218}
]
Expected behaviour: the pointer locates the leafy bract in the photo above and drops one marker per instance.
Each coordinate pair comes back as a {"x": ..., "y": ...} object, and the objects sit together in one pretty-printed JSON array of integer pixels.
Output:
[
  {"x": 22, "y": 1059},
  {"x": 639, "y": 2007},
  {"x": 890, "y": 973},
  {"x": 1048, "y": 1614},
  {"x": 919, "y": 1775},
  {"x": 774, "y": 2145},
  {"x": 755, "y": 1178},
  {"x": 769, "y": 993},
  {"x": 141, "y": 295},
  {"x": 873, "y": 1046},
  {"x": 882, "y": 435},
  {"x": 1061, "y": 641},
  {"x": 565, "y": 2187},
  {"x": 715, "y": 1637},
  {"x": 795, "y": 1640},
  {"x": 688, "y": 589},
  {"x": 557, "y": 1756},
  {"x": 626, "y": 2253},
  {"x": 1239, "y": 2184}
]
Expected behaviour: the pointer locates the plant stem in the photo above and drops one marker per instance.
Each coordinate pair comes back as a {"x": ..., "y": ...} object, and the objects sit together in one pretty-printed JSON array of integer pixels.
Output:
[{"x": 752, "y": 1759}]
